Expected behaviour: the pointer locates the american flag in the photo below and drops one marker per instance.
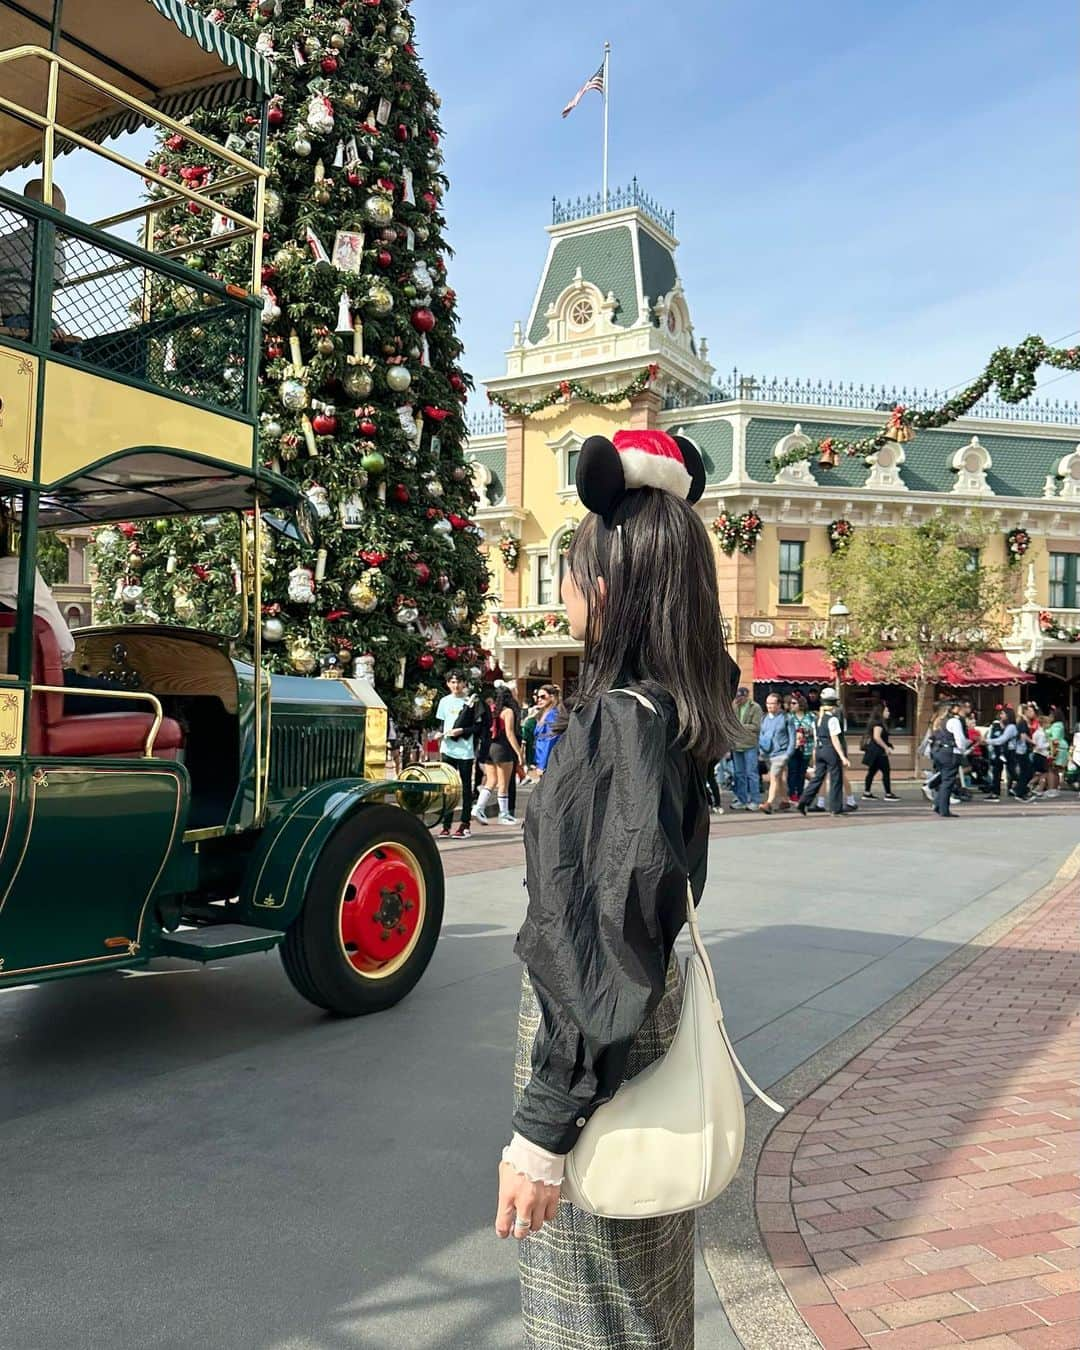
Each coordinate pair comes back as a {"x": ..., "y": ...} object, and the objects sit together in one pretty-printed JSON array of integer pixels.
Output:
[{"x": 596, "y": 82}]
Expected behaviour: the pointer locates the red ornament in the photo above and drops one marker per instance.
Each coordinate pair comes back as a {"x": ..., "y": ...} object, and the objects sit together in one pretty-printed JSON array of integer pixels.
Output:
[
  {"x": 433, "y": 513},
  {"x": 269, "y": 271},
  {"x": 456, "y": 382},
  {"x": 127, "y": 529},
  {"x": 324, "y": 424},
  {"x": 203, "y": 573},
  {"x": 452, "y": 653},
  {"x": 328, "y": 64},
  {"x": 175, "y": 141},
  {"x": 436, "y": 414},
  {"x": 274, "y": 350},
  {"x": 425, "y": 660},
  {"x": 353, "y": 178},
  {"x": 430, "y": 201},
  {"x": 401, "y": 493},
  {"x": 433, "y": 136},
  {"x": 367, "y": 428},
  {"x": 275, "y": 114},
  {"x": 423, "y": 320},
  {"x": 194, "y": 208},
  {"x": 373, "y": 557},
  {"x": 449, "y": 298},
  {"x": 402, "y": 132},
  {"x": 384, "y": 257},
  {"x": 458, "y": 522},
  {"x": 423, "y": 572}
]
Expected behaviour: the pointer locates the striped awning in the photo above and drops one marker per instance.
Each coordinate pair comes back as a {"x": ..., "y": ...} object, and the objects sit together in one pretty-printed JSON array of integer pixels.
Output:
[{"x": 161, "y": 51}]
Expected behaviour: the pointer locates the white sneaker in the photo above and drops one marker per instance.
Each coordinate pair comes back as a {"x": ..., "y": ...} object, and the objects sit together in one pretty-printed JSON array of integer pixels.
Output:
[
  {"x": 479, "y": 816},
  {"x": 927, "y": 793},
  {"x": 507, "y": 820},
  {"x": 1051, "y": 792},
  {"x": 738, "y": 806}
]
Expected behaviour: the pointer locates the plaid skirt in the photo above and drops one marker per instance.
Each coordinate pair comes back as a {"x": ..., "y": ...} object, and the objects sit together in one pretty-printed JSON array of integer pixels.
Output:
[{"x": 589, "y": 1283}]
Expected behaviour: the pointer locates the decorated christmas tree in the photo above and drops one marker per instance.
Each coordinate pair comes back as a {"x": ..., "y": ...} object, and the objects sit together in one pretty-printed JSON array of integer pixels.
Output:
[{"x": 361, "y": 394}]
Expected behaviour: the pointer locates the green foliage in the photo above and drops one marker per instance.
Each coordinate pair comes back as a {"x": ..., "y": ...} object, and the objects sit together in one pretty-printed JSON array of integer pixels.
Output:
[
  {"x": 52, "y": 558},
  {"x": 912, "y": 589},
  {"x": 394, "y": 456}
]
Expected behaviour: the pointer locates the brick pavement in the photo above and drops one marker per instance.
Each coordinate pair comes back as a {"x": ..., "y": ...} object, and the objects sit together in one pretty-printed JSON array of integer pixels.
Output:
[{"x": 927, "y": 1195}]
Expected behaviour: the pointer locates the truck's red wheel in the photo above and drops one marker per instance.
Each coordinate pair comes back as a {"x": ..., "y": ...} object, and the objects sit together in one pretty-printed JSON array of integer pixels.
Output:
[{"x": 371, "y": 914}]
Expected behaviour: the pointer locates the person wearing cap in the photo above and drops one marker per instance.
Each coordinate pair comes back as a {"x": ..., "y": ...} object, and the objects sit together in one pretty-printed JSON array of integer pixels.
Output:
[
  {"x": 615, "y": 830},
  {"x": 832, "y": 757},
  {"x": 744, "y": 752}
]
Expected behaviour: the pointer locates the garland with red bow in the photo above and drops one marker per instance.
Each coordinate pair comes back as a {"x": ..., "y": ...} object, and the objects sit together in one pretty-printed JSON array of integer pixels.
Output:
[
  {"x": 566, "y": 390},
  {"x": 1012, "y": 370}
]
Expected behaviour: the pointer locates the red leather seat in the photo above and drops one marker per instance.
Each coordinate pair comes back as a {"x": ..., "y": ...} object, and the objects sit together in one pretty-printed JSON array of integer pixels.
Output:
[{"x": 117, "y": 734}]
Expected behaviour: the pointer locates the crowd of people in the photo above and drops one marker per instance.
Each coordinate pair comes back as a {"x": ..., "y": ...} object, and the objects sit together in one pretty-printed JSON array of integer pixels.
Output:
[
  {"x": 1026, "y": 748},
  {"x": 785, "y": 756},
  {"x": 493, "y": 744}
]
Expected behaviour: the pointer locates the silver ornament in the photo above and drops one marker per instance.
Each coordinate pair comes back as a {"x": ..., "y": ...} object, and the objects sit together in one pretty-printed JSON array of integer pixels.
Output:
[
  {"x": 443, "y": 527},
  {"x": 406, "y": 615},
  {"x": 294, "y": 394},
  {"x": 435, "y": 489},
  {"x": 378, "y": 208},
  {"x": 398, "y": 378},
  {"x": 273, "y": 630},
  {"x": 302, "y": 147}
]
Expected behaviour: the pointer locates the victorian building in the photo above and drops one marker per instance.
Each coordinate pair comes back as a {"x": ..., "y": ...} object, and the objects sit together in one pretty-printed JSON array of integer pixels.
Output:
[{"x": 611, "y": 302}]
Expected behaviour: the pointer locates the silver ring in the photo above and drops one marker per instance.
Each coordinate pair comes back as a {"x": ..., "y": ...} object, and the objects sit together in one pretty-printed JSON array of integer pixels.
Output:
[{"x": 521, "y": 1223}]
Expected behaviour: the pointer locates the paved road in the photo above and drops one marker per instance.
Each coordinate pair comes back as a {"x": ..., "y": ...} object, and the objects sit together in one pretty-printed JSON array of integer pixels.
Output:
[{"x": 196, "y": 1159}]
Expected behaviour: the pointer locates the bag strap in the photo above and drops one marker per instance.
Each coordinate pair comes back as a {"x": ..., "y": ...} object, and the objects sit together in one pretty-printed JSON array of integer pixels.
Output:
[{"x": 703, "y": 957}]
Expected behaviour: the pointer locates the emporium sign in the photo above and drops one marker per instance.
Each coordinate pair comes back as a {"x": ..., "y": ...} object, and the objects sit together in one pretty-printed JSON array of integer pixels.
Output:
[{"x": 784, "y": 630}]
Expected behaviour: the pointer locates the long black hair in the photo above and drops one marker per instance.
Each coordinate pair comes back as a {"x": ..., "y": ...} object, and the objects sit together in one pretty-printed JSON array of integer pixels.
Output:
[{"x": 659, "y": 618}]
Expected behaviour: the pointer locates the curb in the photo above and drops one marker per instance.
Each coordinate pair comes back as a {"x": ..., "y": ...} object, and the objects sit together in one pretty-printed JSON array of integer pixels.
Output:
[{"x": 757, "y": 1304}]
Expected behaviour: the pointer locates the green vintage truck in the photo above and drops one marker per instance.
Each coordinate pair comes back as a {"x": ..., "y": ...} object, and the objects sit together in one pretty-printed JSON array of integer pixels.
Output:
[{"x": 213, "y": 810}]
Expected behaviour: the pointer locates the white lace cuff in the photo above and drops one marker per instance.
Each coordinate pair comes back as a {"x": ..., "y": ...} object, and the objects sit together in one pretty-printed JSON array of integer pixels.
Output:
[{"x": 534, "y": 1162}]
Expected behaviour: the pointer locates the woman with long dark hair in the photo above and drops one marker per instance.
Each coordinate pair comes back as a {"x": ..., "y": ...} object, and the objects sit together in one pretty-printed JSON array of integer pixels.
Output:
[
  {"x": 877, "y": 747},
  {"x": 614, "y": 830},
  {"x": 504, "y": 755}
]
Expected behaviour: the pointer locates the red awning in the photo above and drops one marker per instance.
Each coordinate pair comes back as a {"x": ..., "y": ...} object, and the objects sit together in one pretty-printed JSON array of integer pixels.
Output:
[
  {"x": 807, "y": 665},
  {"x": 793, "y": 665}
]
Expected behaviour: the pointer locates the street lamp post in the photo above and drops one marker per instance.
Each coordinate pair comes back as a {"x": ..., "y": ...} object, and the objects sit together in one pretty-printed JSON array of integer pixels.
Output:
[{"x": 838, "y": 627}]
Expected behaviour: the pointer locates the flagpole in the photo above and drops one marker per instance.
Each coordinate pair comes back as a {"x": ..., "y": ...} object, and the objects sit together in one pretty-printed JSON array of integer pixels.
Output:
[{"x": 607, "y": 61}]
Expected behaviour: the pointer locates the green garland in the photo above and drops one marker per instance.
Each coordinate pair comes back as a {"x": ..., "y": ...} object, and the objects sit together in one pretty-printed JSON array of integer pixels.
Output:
[
  {"x": 566, "y": 390},
  {"x": 1011, "y": 369},
  {"x": 550, "y": 624}
]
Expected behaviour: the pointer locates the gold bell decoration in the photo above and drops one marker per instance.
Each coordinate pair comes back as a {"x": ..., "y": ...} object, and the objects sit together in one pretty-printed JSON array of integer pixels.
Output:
[
  {"x": 827, "y": 457},
  {"x": 898, "y": 430}
]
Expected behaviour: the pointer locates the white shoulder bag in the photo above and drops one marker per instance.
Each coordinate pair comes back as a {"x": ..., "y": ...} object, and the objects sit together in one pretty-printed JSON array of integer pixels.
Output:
[{"x": 671, "y": 1138}]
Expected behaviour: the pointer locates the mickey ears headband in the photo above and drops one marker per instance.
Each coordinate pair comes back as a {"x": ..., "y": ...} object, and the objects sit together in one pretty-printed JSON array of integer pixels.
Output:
[{"x": 608, "y": 470}]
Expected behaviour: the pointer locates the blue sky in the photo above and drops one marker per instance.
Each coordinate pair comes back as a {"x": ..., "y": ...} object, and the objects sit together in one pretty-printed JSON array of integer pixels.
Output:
[{"x": 863, "y": 191}]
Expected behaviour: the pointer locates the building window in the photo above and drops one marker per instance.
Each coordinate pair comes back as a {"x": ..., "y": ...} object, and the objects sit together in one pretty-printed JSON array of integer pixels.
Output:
[
  {"x": 582, "y": 313},
  {"x": 543, "y": 579},
  {"x": 1064, "y": 579},
  {"x": 791, "y": 572},
  {"x": 972, "y": 559},
  {"x": 570, "y": 460}
]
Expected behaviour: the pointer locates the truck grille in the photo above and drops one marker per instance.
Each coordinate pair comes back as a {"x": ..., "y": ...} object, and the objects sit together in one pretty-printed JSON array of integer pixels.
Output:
[{"x": 302, "y": 754}]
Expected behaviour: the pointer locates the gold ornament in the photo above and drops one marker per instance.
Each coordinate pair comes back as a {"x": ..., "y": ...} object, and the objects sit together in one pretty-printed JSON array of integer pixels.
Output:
[
  {"x": 362, "y": 595},
  {"x": 302, "y": 659}
]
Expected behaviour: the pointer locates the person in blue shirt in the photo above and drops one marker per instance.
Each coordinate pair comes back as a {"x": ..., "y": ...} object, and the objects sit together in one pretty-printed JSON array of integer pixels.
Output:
[
  {"x": 548, "y": 701},
  {"x": 776, "y": 740},
  {"x": 457, "y": 712}
]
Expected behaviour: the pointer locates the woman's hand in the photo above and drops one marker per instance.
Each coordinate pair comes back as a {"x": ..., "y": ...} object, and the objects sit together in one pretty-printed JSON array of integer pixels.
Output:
[{"x": 524, "y": 1205}]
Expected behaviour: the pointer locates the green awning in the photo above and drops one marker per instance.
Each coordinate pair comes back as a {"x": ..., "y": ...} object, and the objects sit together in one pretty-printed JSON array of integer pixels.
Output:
[{"x": 161, "y": 51}]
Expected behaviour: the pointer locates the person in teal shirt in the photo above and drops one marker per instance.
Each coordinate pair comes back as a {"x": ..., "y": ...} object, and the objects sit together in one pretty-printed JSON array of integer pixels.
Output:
[{"x": 457, "y": 714}]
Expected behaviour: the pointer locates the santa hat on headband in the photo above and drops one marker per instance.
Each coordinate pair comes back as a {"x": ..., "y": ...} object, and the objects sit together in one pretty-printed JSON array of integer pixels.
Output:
[{"x": 608, "y": 470}]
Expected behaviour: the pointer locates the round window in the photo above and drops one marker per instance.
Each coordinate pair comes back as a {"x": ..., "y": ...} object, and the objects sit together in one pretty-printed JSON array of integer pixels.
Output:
[
  {"x": 581, "y": 313},
  {"x": 672, "y": 321}
]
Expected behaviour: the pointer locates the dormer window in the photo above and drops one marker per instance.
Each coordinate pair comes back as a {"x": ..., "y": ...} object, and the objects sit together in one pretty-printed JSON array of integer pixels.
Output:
[{"x": 582, "y": 313}]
